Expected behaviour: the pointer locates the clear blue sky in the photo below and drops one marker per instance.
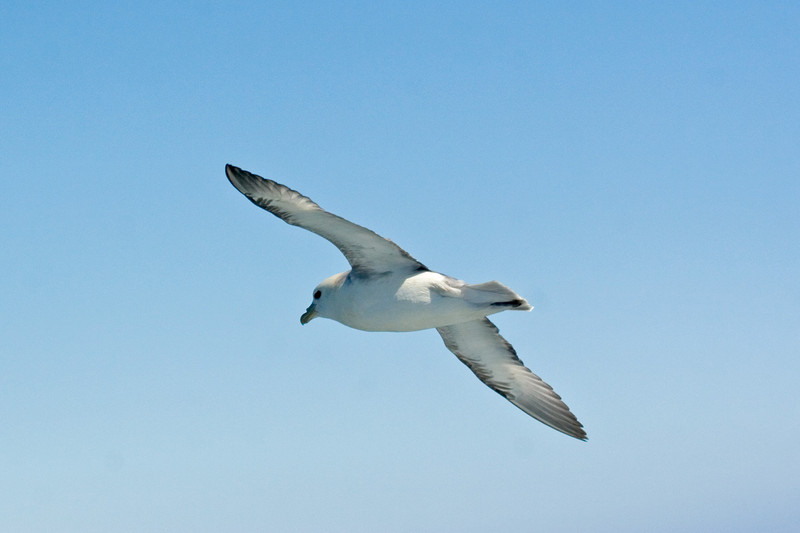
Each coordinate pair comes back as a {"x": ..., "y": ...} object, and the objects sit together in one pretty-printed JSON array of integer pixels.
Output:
[{"x": 633, "y": 169}]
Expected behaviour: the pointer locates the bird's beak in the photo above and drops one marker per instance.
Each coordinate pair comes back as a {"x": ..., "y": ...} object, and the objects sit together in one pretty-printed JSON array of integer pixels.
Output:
[{"x": 308, "y": 315}]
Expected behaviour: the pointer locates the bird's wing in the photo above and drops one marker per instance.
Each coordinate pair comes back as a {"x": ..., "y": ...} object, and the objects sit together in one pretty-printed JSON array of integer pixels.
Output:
[
  {"x": 366, "y": 251},
  {"x": 479, "y": 345}
]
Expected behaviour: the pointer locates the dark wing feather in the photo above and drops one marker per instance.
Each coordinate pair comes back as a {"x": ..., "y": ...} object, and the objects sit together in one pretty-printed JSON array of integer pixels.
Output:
[
  {"x": 478, "y": 345},
  {"x": 366, "y": 251}
]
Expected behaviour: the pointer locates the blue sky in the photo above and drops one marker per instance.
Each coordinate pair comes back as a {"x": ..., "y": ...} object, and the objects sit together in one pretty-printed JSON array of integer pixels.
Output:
[{"x": 630, "y": 168}]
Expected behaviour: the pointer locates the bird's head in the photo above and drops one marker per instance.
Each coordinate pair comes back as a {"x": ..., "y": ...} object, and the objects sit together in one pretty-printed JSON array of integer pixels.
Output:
[{"x": 324, "y": 296}]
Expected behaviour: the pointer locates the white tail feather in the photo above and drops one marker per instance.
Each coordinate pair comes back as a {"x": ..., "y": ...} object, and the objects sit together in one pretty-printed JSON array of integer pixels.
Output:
[{"x": 495, "y": 293}]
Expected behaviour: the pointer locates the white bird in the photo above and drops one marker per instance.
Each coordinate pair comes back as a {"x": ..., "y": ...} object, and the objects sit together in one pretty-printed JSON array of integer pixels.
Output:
[{"x": 388, "y": 290}]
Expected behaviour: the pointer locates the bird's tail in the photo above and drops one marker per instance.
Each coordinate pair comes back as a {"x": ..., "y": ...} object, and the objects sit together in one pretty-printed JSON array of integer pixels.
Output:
[{"x": 495, "y": 294}]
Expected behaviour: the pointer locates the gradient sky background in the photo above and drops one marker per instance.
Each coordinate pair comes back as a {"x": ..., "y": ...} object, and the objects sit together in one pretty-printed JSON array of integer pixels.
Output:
[{"x": 633, "y": 169}]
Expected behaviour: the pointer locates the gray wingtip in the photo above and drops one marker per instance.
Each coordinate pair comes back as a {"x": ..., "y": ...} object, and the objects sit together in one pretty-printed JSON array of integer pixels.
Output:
[
  {"x": 578, "y": 433},
  {"x": 245, "y": 182},
  {"x": 566, "y": 423},
  {"x": 235, "y": 176}
]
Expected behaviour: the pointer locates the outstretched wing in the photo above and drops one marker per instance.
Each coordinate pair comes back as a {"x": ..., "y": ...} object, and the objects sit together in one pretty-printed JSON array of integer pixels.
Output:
[
  {"x": 479, "y": 345},
  {"x": 366, "y": 251}
]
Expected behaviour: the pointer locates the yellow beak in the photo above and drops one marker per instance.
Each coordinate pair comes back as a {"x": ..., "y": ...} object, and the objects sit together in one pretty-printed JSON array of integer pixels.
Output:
[{"x": 308, "y": 315}]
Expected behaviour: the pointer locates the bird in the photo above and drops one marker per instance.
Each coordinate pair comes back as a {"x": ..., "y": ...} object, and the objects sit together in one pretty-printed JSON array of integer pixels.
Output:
[{"x": 386, "y": 289}]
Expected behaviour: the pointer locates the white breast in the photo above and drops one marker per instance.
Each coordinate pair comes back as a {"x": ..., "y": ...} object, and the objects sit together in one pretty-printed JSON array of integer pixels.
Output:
[{"x": 398, "y": 303}]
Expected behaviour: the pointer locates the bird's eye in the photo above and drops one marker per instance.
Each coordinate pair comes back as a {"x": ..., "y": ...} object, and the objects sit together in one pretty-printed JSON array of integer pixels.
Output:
[{"x": 317, "y": 295}]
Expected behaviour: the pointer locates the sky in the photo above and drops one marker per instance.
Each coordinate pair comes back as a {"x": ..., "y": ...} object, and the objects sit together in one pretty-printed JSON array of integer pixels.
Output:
[{"x": 631, "y": 168}]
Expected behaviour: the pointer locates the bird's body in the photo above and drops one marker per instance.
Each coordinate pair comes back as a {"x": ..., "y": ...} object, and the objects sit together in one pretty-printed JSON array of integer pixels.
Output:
[
  {"x": 411, "y": 301},
  {"x": 388, "y": 290}
]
